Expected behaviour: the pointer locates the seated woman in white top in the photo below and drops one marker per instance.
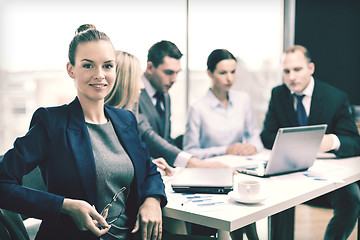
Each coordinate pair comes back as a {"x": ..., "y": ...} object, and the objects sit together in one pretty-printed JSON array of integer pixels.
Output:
[{"x": 222, "y": 121}]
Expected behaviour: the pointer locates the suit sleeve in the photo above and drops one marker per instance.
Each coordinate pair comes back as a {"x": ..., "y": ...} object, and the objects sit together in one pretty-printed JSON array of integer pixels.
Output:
[
  {"x": 271, "y": 124},
  {"x": 345, "y": 129},
  {"x": 158, "y": 146},
  {"x": 28, "y": 152}
]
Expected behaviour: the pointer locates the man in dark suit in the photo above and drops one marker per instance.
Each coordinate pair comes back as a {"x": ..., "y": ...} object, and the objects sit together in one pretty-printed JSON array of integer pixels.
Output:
[
  {"x": 163, "y": 66},
  {"x": 301, "y": 100}
]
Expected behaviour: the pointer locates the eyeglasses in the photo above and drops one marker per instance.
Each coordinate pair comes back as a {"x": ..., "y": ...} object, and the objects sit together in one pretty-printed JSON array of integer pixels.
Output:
[{"x": 107, "y": 207}]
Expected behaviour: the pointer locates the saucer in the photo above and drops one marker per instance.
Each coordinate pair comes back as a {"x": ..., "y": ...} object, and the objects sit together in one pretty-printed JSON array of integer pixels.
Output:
[{"x": 256, "y": 199}]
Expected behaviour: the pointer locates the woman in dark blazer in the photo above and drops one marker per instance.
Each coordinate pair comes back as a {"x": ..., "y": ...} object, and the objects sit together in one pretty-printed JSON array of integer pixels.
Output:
[{"x": 60, "y": 141}]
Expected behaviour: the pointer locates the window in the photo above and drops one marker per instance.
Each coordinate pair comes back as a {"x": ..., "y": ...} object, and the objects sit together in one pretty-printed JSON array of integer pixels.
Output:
[
  {"x": 36, "y": 35},
  {"x": 251, "y": 31}
]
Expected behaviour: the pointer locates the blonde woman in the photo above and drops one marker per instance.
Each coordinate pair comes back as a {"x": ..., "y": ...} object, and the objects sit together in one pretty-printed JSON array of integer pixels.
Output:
[
  {"x": 126, "y": 91},
  {"x": 125, "y": 95}
]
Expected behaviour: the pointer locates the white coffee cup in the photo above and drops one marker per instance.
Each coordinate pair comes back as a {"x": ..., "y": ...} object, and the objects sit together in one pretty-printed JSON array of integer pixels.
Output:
[{"x": 249, "y": 188}]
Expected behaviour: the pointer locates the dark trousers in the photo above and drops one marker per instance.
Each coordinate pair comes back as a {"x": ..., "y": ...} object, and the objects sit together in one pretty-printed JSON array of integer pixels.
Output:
[{"x": 346, "y": 204}]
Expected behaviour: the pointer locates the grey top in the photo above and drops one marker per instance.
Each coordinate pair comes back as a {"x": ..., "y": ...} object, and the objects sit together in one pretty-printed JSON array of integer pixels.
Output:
[{"x": 114, "y": 170}]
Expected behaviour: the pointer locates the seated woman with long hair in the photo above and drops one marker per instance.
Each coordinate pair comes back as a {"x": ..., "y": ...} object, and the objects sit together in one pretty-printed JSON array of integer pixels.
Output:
[{"x": 125, "y": 95}]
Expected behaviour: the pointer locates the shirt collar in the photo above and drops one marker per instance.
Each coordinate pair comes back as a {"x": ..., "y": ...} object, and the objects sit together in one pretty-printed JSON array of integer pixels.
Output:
[
  {"x": 214, "y": 101},
  {"x": 308, "y": 91},
  {"x": 148, "y": 87}
]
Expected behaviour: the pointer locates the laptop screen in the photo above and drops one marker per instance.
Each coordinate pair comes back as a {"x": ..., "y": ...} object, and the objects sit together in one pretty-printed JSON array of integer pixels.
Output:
[{"x": 294, "y": 149}]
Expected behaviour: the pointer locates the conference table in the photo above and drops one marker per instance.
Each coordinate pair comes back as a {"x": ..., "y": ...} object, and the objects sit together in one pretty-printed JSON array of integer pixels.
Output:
[{"x": 281, "y": 194}]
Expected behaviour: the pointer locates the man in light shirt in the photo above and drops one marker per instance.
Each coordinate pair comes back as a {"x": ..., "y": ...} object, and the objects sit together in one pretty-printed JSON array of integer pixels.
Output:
[{"x": 303, "y": 100}]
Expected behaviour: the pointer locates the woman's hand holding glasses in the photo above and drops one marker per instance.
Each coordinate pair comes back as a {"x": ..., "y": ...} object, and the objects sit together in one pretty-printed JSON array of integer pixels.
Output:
[
  {"x": 106, "y": 209},
  {"x": 85, "y": 216}
]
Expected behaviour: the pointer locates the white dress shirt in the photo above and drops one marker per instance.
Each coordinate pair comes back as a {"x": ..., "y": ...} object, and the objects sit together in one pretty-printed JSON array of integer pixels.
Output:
[
  {"x": 308, "y": 91},
  {"x": 211, "y": 127}
]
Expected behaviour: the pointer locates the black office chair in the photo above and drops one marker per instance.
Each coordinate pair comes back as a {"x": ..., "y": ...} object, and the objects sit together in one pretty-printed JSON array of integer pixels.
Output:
[{"x": 12, "y": 226}]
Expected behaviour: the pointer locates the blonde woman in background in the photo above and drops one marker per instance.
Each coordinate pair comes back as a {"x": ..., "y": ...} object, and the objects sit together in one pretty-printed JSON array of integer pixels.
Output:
[
  {"x": 127, "y": 86},
  {"x": 125, "y": 95}
]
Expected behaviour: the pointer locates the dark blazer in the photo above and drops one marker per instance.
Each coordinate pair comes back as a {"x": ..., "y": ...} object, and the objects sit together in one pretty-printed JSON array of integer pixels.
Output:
[
  {"x": 160, "y": 143},
  {"x": 147, "y": 108},
  {"x": 158, "y": 146},
  {"x": 58, "y": 141},
  {"x": 328, "y": 105}
]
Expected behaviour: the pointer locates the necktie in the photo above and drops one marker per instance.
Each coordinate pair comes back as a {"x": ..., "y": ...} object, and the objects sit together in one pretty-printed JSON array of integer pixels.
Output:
[
  {"x": 300, "y": 110},
  {"x": 160, "y": 99}
]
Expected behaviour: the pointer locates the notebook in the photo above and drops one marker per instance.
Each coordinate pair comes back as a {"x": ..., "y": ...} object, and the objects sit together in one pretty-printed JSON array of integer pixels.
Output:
[
  {"x": 295, "y": 149},
  {"x": 203, "y": 180}
]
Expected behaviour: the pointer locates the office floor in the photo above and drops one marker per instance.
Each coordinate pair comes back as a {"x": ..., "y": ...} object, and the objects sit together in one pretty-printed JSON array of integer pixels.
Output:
[{"x": 310, "y": 223}]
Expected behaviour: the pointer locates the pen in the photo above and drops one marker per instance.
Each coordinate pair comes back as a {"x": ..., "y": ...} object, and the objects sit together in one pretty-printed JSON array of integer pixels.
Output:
[
  {"x": 188, "y": 200},
  {"x": 194, "y": 197},
  {"x": 209, "y": 204},
  {"x": 201, "y": 200}
]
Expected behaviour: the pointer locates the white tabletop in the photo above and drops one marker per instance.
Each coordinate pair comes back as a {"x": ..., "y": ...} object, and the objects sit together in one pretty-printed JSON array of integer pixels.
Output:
[{"x": 282, "y": 192}]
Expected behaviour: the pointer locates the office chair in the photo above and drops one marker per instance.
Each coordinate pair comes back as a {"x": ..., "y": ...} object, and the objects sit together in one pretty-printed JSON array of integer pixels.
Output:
[{"x": 12, "y": 226}]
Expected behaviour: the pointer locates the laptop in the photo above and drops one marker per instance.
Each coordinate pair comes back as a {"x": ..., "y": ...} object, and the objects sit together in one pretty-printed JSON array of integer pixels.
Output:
[
  {"x": 295, "y": 149},
  {"x": 203, "y": 180}
]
